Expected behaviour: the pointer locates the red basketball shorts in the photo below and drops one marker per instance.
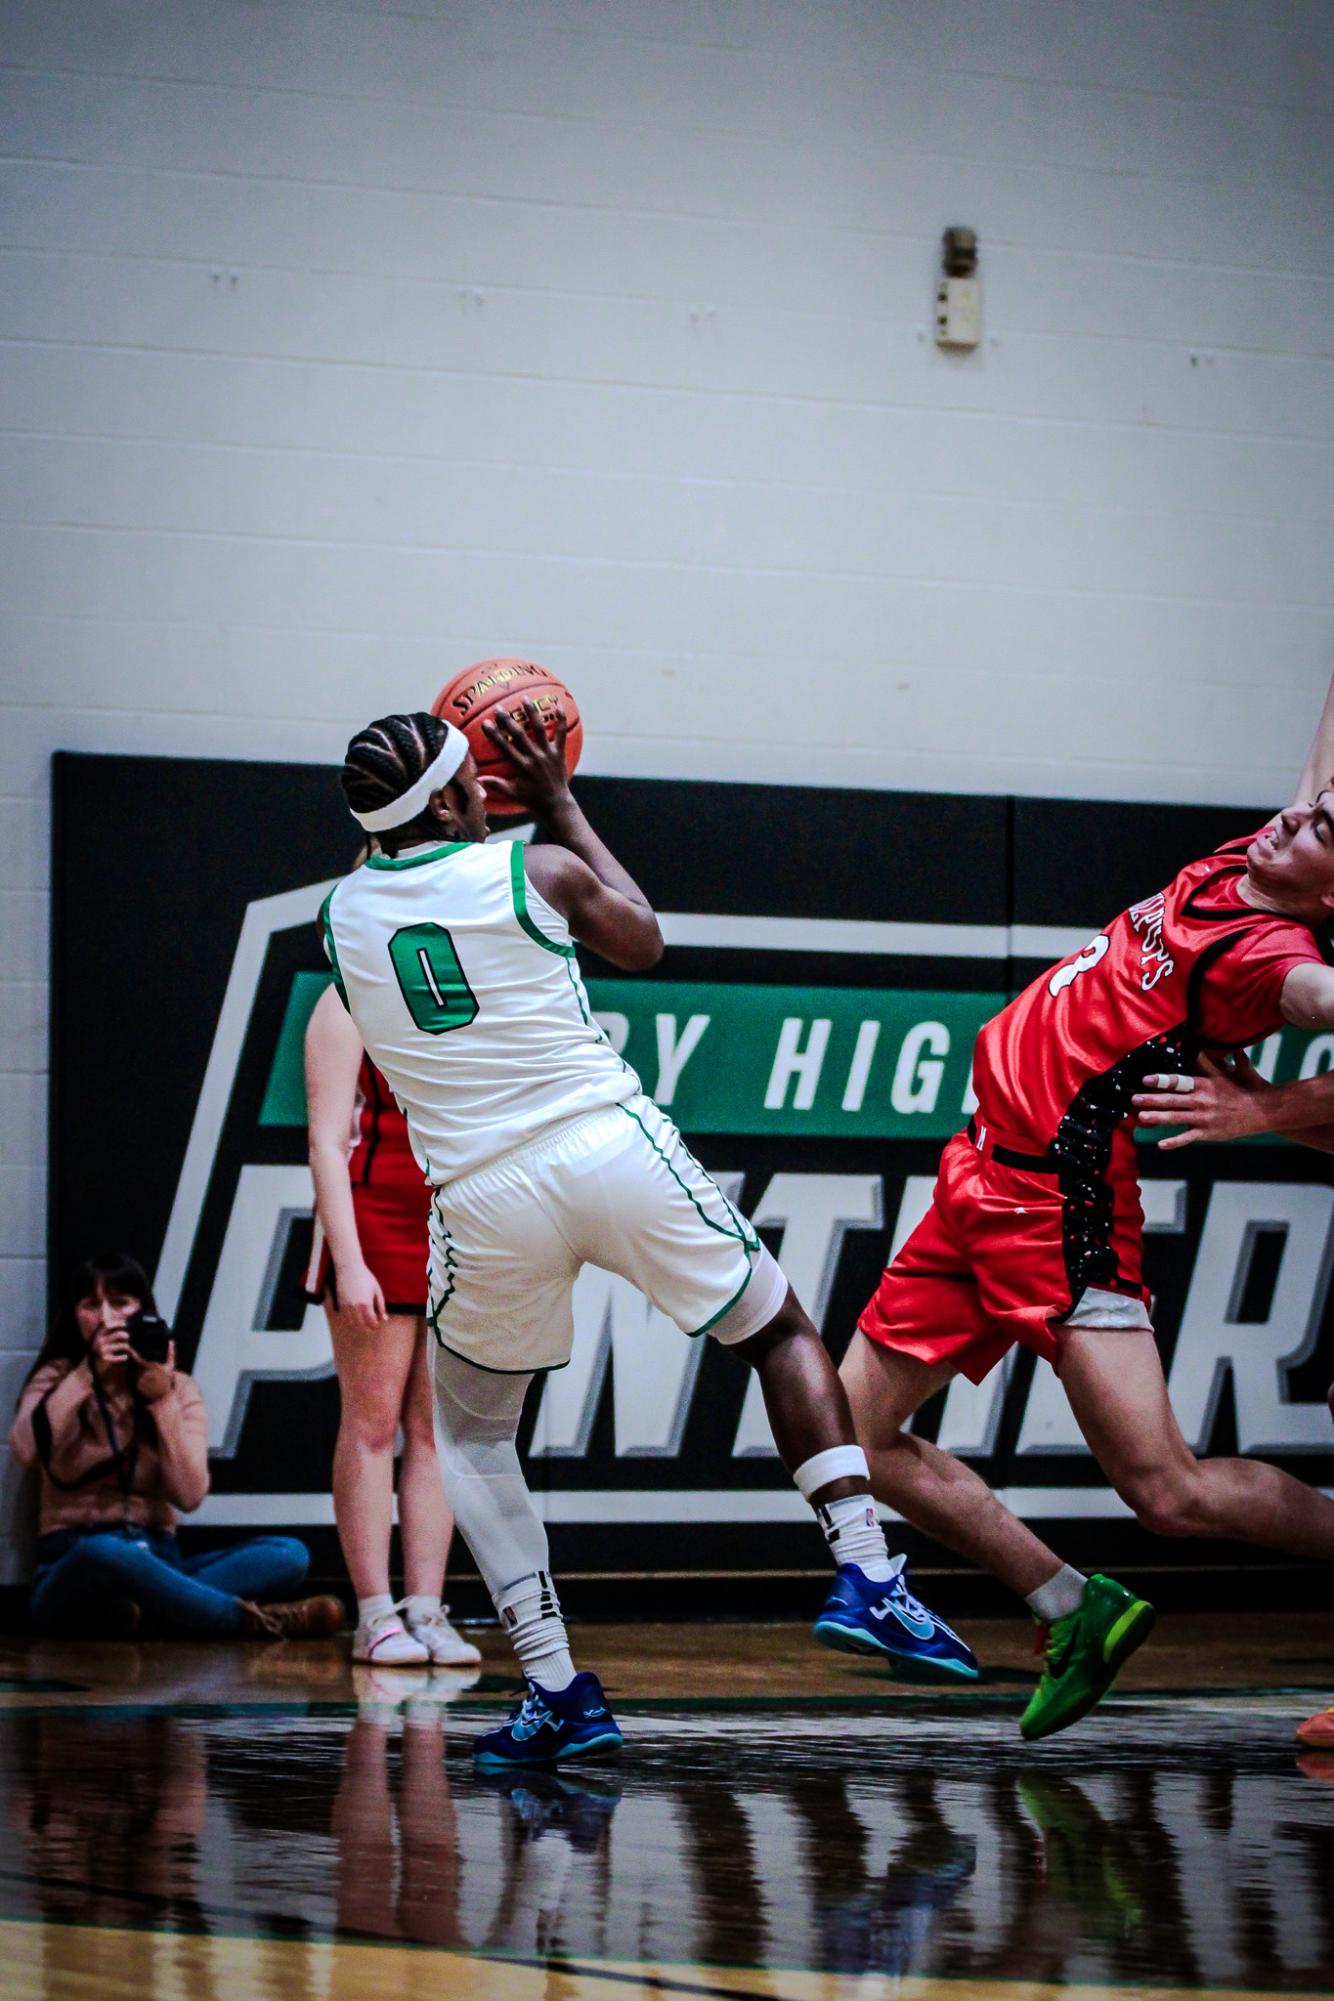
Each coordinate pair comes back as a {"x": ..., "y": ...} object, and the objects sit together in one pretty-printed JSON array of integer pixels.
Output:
[
  {"x": 392, "y": 1222},
  {"x": 1005, "y": 1255}
]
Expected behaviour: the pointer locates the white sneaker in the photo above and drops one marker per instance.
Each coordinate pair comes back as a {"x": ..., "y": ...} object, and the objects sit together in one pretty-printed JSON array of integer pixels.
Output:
[
  {"x": 445, "y": 1645},
  {"x": 388, "y": 1643}
]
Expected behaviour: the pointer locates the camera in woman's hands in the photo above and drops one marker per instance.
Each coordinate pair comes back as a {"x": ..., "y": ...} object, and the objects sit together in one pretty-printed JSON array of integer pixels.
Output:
[{"x": 150, "y": 1336}]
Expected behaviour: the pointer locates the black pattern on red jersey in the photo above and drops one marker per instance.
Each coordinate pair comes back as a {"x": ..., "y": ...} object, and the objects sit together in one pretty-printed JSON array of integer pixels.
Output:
[
  {"x": 1083, "y": 1142},
  {"x": 1083, "y": 1147}
]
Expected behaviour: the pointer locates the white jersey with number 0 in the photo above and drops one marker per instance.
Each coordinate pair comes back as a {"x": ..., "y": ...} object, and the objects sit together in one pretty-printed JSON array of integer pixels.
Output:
[{"x": 465, "y": 991}]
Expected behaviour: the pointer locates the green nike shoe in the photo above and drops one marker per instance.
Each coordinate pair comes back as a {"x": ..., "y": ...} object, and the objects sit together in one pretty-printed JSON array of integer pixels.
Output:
[
  {"x": 1094, "y": 1864},
  {"x": 1084, "y": 1651}
]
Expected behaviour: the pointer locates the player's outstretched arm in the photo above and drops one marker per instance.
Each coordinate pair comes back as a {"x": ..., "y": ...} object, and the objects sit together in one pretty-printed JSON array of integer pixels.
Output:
[
  {"x": 578, "y": 875},
  {"x": 1318, "y": 771},
  {"x": 1235, "y": 1102}
]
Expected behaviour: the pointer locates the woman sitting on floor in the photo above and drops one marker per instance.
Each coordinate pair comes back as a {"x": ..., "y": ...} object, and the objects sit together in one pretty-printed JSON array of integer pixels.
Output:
[{"x": 122, "y": 1444}]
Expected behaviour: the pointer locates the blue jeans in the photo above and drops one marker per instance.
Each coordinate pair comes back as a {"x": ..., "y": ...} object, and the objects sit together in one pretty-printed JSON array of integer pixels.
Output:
[{"x": 79, "y": 1569}]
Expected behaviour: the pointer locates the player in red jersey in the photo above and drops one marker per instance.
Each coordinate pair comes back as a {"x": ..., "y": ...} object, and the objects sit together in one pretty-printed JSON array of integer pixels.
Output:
[
  {"x": 368, "y": 1266},
  {"x": 1233, "y": 1101},
  {"x": 1034, "y": 1233}
]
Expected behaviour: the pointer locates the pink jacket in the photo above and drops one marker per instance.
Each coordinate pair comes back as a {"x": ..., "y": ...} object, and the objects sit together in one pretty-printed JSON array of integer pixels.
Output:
[{"x": 170, "y": 1468}]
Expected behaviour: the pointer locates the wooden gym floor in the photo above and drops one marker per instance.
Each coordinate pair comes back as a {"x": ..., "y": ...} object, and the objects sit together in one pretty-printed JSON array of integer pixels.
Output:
[{"x": 188, "y": 1823}]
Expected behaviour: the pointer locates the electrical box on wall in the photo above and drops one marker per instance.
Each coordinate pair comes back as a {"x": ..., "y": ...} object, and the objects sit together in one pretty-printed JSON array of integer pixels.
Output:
[
  {"x": 958, "y": 312},
  {"x": 959, "y": 292}
]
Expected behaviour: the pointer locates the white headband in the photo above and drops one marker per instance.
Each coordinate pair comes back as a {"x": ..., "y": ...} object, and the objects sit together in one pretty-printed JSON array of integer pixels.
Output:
[{"x": 414, "y": 801}]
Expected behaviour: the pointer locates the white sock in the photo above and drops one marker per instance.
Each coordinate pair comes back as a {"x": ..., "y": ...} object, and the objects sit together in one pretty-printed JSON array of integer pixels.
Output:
[
  {"x": 370, "y": 1609},
  {"x": 421, "y": 1605},
  {"x": 530, "y": 1613},
  {"x": 853, "y": 1532},
  {"x": 1059, "y": 1595}
]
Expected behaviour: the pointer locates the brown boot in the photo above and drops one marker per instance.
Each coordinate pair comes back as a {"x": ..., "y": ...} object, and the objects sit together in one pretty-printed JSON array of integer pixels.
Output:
[
  {"x": 120, "y": 1619},
  {"x": 301, "y": 1619}
]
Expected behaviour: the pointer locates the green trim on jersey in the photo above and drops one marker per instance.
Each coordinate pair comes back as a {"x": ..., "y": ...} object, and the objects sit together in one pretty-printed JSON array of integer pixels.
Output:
[
  {"x": 578, "y": 994},
  {"x": 748, "y": 1241},
  {"x": 434, "y": 1308},
  {"x": 331, "y": 950},
  {"x": 519, "y": 891},
  {"x": 485, "y": 1368},
  {"x": 418, "y": 861}
]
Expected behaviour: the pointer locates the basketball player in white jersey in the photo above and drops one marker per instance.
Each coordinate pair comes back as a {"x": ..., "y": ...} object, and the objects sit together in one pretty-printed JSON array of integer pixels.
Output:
[{"x": 456, "y": 961}]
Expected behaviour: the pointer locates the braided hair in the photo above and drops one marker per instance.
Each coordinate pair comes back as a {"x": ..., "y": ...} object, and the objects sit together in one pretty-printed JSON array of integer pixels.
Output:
[{"x": 388, "y": 757}]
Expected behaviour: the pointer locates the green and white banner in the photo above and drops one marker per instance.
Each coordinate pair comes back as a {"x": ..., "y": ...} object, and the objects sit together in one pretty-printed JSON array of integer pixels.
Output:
[{"x": 828, "y": 1062}]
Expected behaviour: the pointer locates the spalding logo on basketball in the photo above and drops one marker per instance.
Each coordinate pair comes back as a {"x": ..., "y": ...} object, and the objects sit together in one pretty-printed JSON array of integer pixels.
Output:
[{"x": 481, "y": 690}]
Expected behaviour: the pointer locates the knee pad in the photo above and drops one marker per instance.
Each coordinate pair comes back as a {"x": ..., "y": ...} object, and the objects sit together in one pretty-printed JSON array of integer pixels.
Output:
[{"x": 477, "y": 1414}]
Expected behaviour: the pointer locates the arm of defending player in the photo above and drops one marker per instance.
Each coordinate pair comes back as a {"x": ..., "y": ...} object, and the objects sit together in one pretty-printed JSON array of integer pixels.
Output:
[
  {"x": 1236, "y": 1102},
  {"x": 333, "y": 1058},
  {"x": 1307, "y": 999},
  {"x": 578, "y": 875},
  {"x": 1318, "y": 771}
]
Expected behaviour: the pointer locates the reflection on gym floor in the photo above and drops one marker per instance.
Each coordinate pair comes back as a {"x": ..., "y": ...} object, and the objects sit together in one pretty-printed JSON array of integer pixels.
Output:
[{"x": 1181, "y": 1843}]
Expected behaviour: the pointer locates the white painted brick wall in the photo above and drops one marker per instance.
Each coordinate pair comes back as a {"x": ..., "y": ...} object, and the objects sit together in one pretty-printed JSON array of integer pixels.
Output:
[{"x": 346, "y": 342}]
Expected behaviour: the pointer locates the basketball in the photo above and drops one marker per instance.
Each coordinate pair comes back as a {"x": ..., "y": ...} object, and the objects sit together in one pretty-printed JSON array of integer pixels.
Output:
[{"x": 492, "y": 685}]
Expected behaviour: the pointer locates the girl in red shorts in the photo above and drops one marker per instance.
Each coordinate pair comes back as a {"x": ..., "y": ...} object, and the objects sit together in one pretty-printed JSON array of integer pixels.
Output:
[{"x": 368, "y": 1266}]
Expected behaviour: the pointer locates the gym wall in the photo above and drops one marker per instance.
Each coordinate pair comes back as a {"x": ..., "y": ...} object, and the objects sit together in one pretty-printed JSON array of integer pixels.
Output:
[{"x": 343, "y": 345}]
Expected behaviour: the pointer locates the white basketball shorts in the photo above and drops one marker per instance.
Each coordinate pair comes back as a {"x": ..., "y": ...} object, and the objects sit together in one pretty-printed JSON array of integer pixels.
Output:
[{"x": 617, "y": 1188}]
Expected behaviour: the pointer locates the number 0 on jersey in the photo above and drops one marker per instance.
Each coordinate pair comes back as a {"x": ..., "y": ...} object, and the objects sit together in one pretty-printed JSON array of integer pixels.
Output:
[{"x": 433, "y": 981}]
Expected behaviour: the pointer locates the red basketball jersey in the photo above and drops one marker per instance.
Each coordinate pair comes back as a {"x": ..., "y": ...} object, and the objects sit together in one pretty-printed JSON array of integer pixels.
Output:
[
  {"x": 381, "y": 1154},
  {"x": 1191, "y": 968}
]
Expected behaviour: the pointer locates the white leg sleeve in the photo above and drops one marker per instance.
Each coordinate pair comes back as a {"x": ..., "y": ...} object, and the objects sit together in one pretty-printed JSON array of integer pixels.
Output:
[{"x": 476, "y": 1423}]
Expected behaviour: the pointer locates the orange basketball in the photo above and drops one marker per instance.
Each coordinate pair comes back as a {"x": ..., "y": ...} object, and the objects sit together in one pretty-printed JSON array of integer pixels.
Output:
[{"x": 481, "y": 690}]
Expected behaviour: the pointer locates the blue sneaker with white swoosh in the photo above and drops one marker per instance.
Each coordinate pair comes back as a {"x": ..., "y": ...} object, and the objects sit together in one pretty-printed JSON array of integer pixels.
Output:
[
  {"x": 861, "y": 1616},
  {"x": 547, "y": 1727}
]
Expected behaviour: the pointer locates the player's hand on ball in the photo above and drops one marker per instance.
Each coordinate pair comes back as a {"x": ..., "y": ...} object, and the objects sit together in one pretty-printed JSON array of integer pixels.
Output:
[
  {"x": 1223, "y": 1102},
  {"x": 360, "y": 1298},
  {"x": 538, "y": 779}
]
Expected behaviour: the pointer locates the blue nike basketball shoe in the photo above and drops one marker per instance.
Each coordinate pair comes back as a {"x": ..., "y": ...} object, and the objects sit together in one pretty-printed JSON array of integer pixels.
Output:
[
  {"x": 576, "y": 1805},
  {"x": 861, "y": 1616},
  {"x": 547, "y": 1727}
]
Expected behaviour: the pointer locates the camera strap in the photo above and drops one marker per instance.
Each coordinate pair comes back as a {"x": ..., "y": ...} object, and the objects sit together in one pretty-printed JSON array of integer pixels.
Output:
[{"x": 123, "y": 1458}]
